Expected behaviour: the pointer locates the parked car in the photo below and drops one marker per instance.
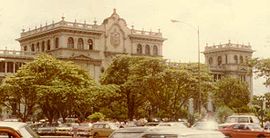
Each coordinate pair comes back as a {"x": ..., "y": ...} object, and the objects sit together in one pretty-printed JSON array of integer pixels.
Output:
[
  {"x": 182, "y": 133},
  {"x": 83, "y": 129},
  {"x": 152, "y": 123},
  {"x": 244, "y": 130},
  {"x": 129, "y": 132},
  {"x": 16, "y": 130},
  {"x": 172, "y": 124},
  {"x": 102, "y": 129},
  {"x": 47, "y": 129},
  {"x": 164, "y": 132},
  {"x": 205, "y": 125},
  {"x": 66, "y": 129},
  {"x": 244, "y": 118}
]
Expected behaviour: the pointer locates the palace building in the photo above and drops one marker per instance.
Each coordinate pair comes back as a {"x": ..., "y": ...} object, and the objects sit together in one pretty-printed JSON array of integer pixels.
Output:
[
  {"x": 228, "y": 60},
  {"x": 91, "y": 46}
]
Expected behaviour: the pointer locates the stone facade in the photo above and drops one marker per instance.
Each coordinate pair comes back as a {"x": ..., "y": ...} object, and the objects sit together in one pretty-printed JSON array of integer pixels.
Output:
[
  {"x": 228, "y": 60},
  {"x": 91, "y": 46}
]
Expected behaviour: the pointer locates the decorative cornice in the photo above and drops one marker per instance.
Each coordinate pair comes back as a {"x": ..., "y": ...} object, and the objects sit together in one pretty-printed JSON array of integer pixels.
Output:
[
  {"x": 135, "y": 54},
  {"x": 59, "y": 30},
  {"x": 109, "y": 53},
  {"x": 146, "y": 37},
  {"x": 227, "y": 50}
]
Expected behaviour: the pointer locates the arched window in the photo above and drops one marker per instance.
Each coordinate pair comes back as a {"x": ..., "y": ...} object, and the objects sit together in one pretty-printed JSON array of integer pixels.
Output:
[
  {"x": 235, "y": 59},
  {"x": 70, "y": 43},
  {"x": 90, "y": 44},
  {"x": 56, "y": 42},
  {"x": 49, "y": 45},
  {"x": 37, "y": 46},
  {"x": 155, "y": 50},
  {"x": 241, "y": 59},
  {"x": 33, "y": 48},
  {"x": 147, "y": 50},
  {"x": 139, "y": 49},
  {"x": 210, "y": 61},
  {"x": 80, "y": 43},
  {"x": 219, "y": 59},
  {"x": 43, "y": 46},
  {"x": 25, "y": 48}
]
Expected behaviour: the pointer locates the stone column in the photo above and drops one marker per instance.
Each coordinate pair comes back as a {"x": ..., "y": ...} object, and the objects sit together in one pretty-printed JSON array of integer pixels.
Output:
[
  {"x": 62, "y": 42},
  {"x": 5, "y": 67},
  {"x": 14, "y": 67},
  {"x": 75, "y": 39}
]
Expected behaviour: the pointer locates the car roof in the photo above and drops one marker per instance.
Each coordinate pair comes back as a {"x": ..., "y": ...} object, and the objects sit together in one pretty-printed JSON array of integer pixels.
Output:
[
  {"x": 103, "y": 123},
  {"x": 183, "y": 131},
  {"x": 13, "y": 125},
  {"x": 133, "y": 129},
  {"x": 242, "y": 116}
]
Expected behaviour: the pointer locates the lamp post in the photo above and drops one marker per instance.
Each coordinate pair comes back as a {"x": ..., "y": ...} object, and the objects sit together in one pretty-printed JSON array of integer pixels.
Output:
[{"x": 197, "y": 29}]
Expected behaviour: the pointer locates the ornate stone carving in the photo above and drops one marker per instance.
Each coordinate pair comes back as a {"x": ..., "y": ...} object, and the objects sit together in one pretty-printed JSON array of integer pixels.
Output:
[{"x": 115, "y": 38}]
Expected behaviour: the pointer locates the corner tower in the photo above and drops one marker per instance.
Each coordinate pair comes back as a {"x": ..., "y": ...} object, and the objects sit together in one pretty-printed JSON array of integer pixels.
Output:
[{"x": 228, "y": 60}]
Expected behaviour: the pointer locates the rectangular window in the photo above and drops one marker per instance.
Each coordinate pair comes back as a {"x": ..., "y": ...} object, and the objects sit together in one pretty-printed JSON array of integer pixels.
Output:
[
  {"x": 2, "y": 66},
  {"x": 10, "y": 67}
]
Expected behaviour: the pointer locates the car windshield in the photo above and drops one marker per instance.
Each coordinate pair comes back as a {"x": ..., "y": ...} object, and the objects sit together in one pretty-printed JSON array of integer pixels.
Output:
[
  {"x": 160, "y": 136},
  {"x": 126, "y": 135},
  {"x": 206, "y": 125},
  {"x": 27, "y": 132},
  {"x": 173, "y": 124},
  {"x": 238, "y": 120},
  {"x": 254, "y": 126},
  {"x": 204, "y": 136},
  {"x": 113, "y": 126}
]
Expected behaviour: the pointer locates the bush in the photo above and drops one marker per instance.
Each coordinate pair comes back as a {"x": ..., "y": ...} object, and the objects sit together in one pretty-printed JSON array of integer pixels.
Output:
[
  {"x": 97, "y": 116},
  {"x": 223, "y": 112}
]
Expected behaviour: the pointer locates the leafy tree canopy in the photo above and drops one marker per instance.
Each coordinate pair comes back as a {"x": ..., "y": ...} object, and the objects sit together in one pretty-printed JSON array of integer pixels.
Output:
[
  {"x": 51, "y": 84},
  {"x": 231, "y": 92}
]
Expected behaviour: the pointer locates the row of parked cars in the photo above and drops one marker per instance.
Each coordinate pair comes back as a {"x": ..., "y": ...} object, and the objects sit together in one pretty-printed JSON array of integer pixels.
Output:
[
  {"x": 240, "y": 127},
  {"x": 107, "y": 129}
]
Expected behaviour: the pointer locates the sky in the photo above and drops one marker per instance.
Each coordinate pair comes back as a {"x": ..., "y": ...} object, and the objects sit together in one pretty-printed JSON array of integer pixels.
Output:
[{"x": 241, "y": 21}]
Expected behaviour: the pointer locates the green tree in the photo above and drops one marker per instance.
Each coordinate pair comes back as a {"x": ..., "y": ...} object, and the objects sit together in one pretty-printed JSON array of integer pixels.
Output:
[
  {"x": 261, "y": 107},
  {"x": 222, "y": 113},
  {"x": 123, "y": 72},
  {"x": 231, "y": 92},
  {"x": 151, "y": 87},
  {"x": 202, "y": 80},
  {"x": 146, "y": 81},
  {"x": 97, "y": 116},
  {"x": 173, "y": 88},
  {"x": 262, "y": 69},
  {"x": 54, "y": 86}
]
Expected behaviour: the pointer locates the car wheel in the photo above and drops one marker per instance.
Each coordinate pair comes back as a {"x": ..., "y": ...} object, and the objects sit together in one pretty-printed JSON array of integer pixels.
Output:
[{"x": 260, "y": 136}]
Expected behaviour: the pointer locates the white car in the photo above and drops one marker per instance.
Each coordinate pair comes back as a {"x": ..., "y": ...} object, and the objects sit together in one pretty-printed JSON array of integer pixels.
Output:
[
  {"x": 205, "y": 125},
  {"x": 174, "y": 132},
  {"x": 172, "y": 124},
  {"x": 233, "y": 119},
  {"x": 16, "y": 130},
  {"x": 164, "y": 132}
]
